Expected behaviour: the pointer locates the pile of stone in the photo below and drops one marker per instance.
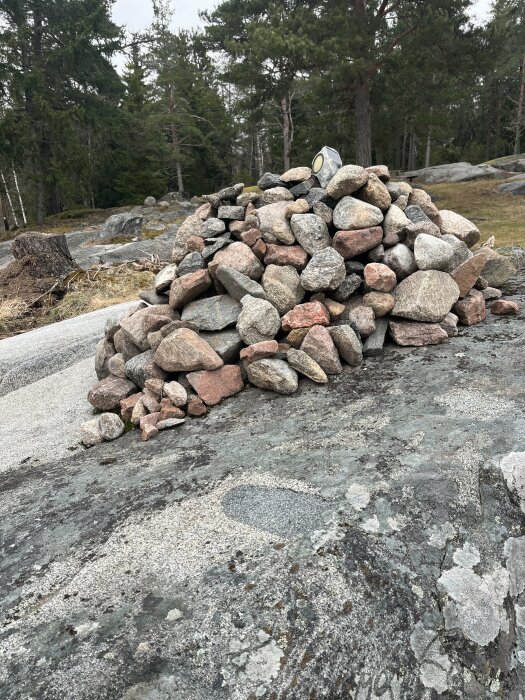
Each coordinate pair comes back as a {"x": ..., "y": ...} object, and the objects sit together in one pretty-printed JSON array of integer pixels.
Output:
[{"x": 295, "y": 278}]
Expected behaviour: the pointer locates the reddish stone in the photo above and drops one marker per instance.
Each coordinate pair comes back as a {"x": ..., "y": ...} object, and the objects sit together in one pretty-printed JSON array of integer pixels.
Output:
[
  {"x": 504, "y": 307},
  {"x": 381, "y": 171},
  {"x": 195, "y": 244},
  {"x": 150, "y": 401},
  {"x": 212, "y": 387},
  {"x": 185, "y": 351},
  {"x": 349, "y": 244},
  {"x": 239, "y": 256},
  {"x": 411, "y": 333},
  {"x": 260, "y": 351},
  {"x": 471, "y": 309},
  {"x": 251, "y": 237},
  {"x": 466, "y": 274},
  {"x": 137, "y": 326},
  {"x": 380, "y": 277},
  {"x": 155, "y": 386},
  {"x": 204, "y": 211},
  {"x": 306, "y": 315},
  {"x": 197, "y": 408},
  {"x": 318, "y": 344},
  {"x": 171, "y": 412},
  {"x": 188, "y": 287},
  {"x": 107, "y": 394},
  {"x": 239, "y": 227},
  {"x": 148, "y": 432},
  {"x": 151, "y": 419},
  {"x": 292, "y": 255},
  {"x": 127, "y": 406},
  {"x": 259, "y": 249}
]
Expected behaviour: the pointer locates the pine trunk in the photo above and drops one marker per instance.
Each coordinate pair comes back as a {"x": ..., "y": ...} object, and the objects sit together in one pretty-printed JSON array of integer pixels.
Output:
[
  {"x": 519, "y": 116},
  {"x": 363, "y": 121},
  {"x": 287, "y": 125},
  {"x": 2, "y": 219},
  {"x": 429, "y": 147}
]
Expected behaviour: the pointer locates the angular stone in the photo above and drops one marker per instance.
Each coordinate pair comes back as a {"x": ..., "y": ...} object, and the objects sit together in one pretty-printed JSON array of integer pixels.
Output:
[
  {"x": 90, "y": 434},
  {"x": 326, "y": 270},
  {"x": 466, "y": 275},
  {"x": 373, "y": 345},
  {"x": 259, "y": 249},
  {"x": 426, "y": 296},
  {"x": 408, "y": 333},
  {"x": 380, "y": 277},
  {"x": 305, "y": 316},
  {"x": 251, "y": 237},
  {"x": 377, "y": 254},
  {"x": 214, "y": 386},
  {"x": 165, "y": 423},
  {"x": 471, "y": 309},
  {"x": 380, "y": 303},
  {"x": 311, "y": 232},
  {"x": 335, "y": 309},
  {"x": 142, "y": 367},
  {"x": 318, "y": 194},
  {"x": 247, "y": 198},
  {"x": 238, "y": 285},
  {"x": 155, "y": 386},
  {"x": 110, "y": 426},
  {"x": 176, "y": 393},
  {"x": 165, "y": 277},
  {"x": 258, "y": 321},
  {"x": 401, "y": 260},
  {"x": 324, "y": 212},
  {"x": 413, "y": 230},
  {"x": 233, "y": 213},
  {"x": 274, "y": 224},
  {"x": 498, "y": 269},
  {"x": 273, "y": 375},
  {"x": 292, "y": 255},
  {"x": 184, "y": 351},
  {"x": 348, "y": 344},
  {"x": 450, "y": 325},
  {"x": 398, "y": 189},
  {"x": 432, "y": 253},
  {"x": 304, "y": 364},
  {"x": 139, "y": 412},
  {"x": 148, "y": 432},
  {"x": 212, "y": 228},
  {"x": 260, "y": 351},
  {"x": 375, "y": 193},
  {"x": 362, "y": 319},
  {"x": 301, "y": 206},
  {"x": 382, "y": 172},
  {"x": 196, "y": 407},
  {"x": 350, "y": 244},
  {"x": 125, "y": 346},
  {"x": 348, "y": 286},
  {"x": 352, "y": 214},
  {"x": 189, "y": 287},
  {"x": 461, "y": 252},
  {"x": 175, "y": 325},
  {"x": 191, "y": 263},
  {"x": 456, "y": 225},
  {"x": 107, "y": 394},
  {"x": 282, "y": 286},
  {"x": 296, "y": 336},
  {"x": 154, "y": 340},
  {"x": 395, "y": 224},
  {"x": 213, "y": 245},
  {"x": 231, "y": 193},
  {"x": 227, "y": 344},
  {"x": 239, "y": 256},
  {"x": 319, "y": 345},
  {"x": 346, "y": 181},
  {"x": 423, "y": 200},
  {"x": 127, "y": 405},
  {"x": 212, "y": 313},
  {"x": 277, "y": 194},
  {"x": 302, "y": 188},
  {"x": 295, "y": 175},
  {"x": 269, "y": 180},
  {"x": 103, "y": 354},
  {"x": 192, "y": 226},
  {"x": 505, "y": 307},
  {"x": 489, "y": 293},
  {"x": 144, "y": 321}
]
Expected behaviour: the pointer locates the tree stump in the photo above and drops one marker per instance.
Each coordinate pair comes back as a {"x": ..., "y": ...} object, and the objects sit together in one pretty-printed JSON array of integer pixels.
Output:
[{"x": 50, "y": 254}]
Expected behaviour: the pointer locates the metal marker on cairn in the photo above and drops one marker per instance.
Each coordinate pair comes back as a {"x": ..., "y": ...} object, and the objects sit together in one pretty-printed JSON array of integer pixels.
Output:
[{"x": 325, "y": 165}]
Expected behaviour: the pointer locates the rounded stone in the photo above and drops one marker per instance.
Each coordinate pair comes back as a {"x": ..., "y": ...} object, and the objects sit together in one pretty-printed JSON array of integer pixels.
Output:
[
  {"x": 273, "y": 375},
  {"x": 426, "y": 296},
  {"x": 110, "y": 426},
  {"x": 352, "y": 214},
  {"x": 258, "y": 321},
  {"x": 380, "y": 277},
  {"x": 326, "y": 270},
  {"x": 432, "y": 253},
  {"x": 282, "y": 286},
  {"x": 347, "y": 180},
  {"x": 311, "y": 232}
]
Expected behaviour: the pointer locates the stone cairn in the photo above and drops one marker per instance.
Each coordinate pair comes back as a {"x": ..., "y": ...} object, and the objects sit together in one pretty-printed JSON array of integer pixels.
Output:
[{"x": 294, "y": 278}]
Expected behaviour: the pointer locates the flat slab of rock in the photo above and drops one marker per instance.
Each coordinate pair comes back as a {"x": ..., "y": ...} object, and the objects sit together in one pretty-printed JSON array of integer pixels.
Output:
[
  {"x": 212, "y": 313},
  {"x": 411, "y": 334},
  {"x": 214, "y": 386},
  {"x": 260, "y": 351},
  {"x": 373, "y": 345},
  {"x": 426, "y": 296},
  {"x": 237, "y": 284},
  {"x": 293, "y": 255},
  {"x": 304, "y": 364},
  {"x": 312, "y": 313},
  {"x": 189, "y": 287},
  {"x": 184, "y": 351},
  {"x": 273, "y": 375}
]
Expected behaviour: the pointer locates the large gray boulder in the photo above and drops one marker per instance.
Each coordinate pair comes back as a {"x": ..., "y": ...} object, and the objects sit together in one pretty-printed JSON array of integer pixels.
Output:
[
  {"x": 453, "y": 172},
  {"x": 126, "y": 225},
  {"x": 425, "y": 296}
]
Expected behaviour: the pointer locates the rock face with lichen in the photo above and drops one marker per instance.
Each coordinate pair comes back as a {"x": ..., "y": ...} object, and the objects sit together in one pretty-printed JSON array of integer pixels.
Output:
[{"x": 289, "y": 265}]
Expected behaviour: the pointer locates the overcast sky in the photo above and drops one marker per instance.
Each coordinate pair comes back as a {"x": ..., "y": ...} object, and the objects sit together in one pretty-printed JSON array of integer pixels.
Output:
[{"x": 137, "y": 14}]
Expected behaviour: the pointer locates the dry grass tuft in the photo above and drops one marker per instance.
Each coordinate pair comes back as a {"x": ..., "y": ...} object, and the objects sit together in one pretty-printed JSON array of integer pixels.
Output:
[
  {"x": 494, "y": 213},
  {"x": 11, "y": 310}
]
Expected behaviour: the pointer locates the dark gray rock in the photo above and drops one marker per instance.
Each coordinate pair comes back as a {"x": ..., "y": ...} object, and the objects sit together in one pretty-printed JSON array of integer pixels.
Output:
[
  {"x": 153, "y": 298},
  {"x": 227, "y": 344},
  {"x": 373, "y": 345},
  {"x": 233, "y": 213},
  {"x": 268, "y": 180},
  {"x": 517, "y": 187},
  {"x": 213, "y": 245},
  {"x": 125, "y": 224},
  {"x": 191, "y": 263},
  {"x": 319, "y": 195},
  {"x": 238, "y": 285},
  {"x": 141, "y": 367},
  {"x": 230, "y": 194},
  {"x": 213, "y": 313},
  {"x": 303, "y": 188},
  {"x": 348, "y": 286}
]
